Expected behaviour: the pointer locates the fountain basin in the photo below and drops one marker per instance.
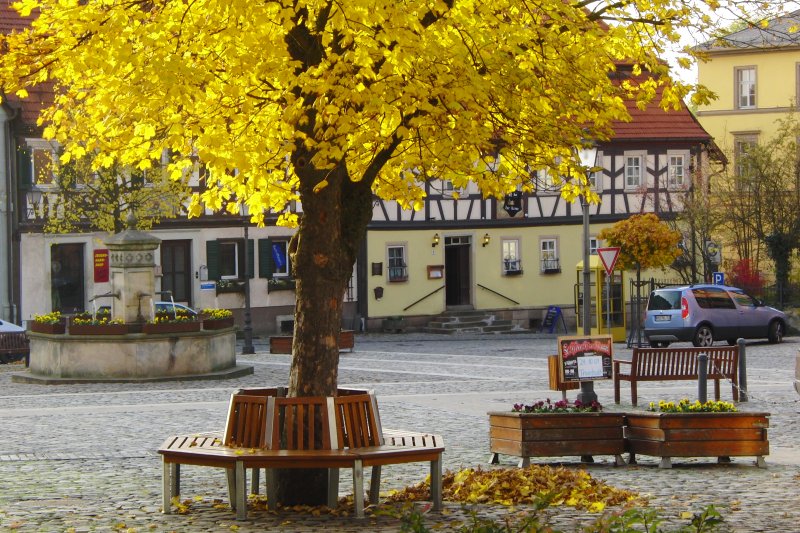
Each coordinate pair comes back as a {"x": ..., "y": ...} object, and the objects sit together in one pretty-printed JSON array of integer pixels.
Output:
[{"x": 205, "y": 354}]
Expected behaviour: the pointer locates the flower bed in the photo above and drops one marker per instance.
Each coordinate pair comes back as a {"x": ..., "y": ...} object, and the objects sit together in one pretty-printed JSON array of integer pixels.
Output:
[
  {"x": 685, "y": 429},
  {"x": 546, "y": 429},
  {"x": 51, "y": 323},
  {"x": 98, "y": 329},
  {"x": 216, "y": 318}
]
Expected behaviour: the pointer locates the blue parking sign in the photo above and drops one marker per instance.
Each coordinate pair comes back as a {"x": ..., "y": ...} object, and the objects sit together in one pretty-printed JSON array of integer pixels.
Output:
[{"x": 718, "y": 278}]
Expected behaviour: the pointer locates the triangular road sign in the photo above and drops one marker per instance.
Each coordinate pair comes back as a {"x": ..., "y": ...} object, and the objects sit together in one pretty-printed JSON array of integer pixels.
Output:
[{"x": 608, "y": 256}]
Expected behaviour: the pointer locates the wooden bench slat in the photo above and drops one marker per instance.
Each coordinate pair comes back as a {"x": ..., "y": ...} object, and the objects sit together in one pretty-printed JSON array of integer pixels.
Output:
[{"x": 673, "y": 364}]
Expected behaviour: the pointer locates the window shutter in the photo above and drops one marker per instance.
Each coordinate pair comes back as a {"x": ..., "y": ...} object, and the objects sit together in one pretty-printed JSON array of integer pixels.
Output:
[
  {"x": 24, "y": 168},
  {"x": 251, "y": 252},
  {"x": 212, "y": 259},
  {"x": 265, "y": 264}
]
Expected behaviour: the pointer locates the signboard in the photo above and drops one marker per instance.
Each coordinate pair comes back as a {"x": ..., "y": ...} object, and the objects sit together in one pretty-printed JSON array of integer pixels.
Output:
[
  {"x": 551, "y": 319},
  {"x": 585, "y": 358},
  {"x": 207, "y": 285},
  {"x": 714, "y": 253},
  {"x": 608, "y": 256},
  {"x": 101, "y": 266},
  {"x": 718, "y": 278},
  {"x": 513, "y": 203}
]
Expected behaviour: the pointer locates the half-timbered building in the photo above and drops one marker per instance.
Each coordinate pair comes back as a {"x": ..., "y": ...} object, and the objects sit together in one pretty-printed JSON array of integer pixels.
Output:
[{"x": 513, "y": 258}]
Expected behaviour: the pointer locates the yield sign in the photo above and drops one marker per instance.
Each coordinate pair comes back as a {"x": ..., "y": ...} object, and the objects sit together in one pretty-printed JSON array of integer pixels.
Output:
[{"x": 609, "y": 257}]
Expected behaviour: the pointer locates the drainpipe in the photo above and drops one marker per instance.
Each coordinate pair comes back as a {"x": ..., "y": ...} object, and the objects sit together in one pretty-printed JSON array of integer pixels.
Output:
[{"x": 7, "y": 225}]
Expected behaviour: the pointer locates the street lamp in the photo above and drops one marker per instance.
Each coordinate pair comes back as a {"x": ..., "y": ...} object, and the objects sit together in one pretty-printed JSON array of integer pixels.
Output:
[{"x": 588, "y": 158}]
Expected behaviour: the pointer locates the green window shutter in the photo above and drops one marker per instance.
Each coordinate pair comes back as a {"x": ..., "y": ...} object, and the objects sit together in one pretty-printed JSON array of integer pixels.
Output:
[
  {"x": 24, "y": 168},
  {"x": 265, "y": 263},
  {"x": 212, "y": 259},
  {"x": 251, "y": 252}
]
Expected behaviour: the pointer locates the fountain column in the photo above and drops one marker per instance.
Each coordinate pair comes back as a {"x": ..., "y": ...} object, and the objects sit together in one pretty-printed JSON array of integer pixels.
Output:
[{"x": 133, "y": 282}]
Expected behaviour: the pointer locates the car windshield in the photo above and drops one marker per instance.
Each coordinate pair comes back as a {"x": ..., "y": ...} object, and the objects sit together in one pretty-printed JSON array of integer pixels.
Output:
[{"x": 664, "y": 300}]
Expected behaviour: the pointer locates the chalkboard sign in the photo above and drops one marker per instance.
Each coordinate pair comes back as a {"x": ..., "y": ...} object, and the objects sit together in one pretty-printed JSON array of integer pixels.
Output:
[
  {"x": 551, "y": 319},
  {"x": 585, "y": 358}
]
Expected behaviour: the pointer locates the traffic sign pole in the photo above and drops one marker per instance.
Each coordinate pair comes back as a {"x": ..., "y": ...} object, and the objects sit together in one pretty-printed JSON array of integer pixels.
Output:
[{"x": 608, "y": 256}]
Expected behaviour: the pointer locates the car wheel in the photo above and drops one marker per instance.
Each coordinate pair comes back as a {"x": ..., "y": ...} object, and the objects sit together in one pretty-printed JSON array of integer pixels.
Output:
[
  {"x": 775, "y": 334},
  {"x": 703, "y": 336}
]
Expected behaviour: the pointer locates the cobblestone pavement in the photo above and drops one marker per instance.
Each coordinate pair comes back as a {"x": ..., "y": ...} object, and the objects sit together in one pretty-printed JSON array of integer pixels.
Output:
[{"x": 82, "y": 457}]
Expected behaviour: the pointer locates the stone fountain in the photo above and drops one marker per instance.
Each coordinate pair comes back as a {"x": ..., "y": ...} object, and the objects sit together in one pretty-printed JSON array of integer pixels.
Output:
[{"x": 135, "y": 356}]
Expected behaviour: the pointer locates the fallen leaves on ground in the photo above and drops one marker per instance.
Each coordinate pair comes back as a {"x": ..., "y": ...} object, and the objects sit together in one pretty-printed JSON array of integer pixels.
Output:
[{"x": 513, "y": 486}]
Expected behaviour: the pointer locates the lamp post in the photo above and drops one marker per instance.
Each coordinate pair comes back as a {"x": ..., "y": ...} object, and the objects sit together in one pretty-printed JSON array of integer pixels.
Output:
[
  {"x": 248, "y": 327},
  {"x": 588, "y": 158}
]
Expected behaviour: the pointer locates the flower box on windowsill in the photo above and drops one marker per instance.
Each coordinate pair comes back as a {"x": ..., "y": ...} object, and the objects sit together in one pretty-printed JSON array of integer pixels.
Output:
[
  {"x": 281, "y": 284},
  {"x": 224, "y": 286},
  {"x": 513, "y": 272},
  {"x": 551, "y": 271}
]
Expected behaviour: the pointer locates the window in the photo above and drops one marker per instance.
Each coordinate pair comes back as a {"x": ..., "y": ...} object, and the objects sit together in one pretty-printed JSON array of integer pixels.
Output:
[
  {"x": 742, "y": 144},
  {"x": 511, "y": 261},
  {"x": 634, "y": 168},
  {"x": 549, "y": 256},
  {"x": 594, "y": 244},
  {"x": 745, "y": 87},
  {"x": 676, "y": 169},
  {"x": 397, "y": 263},
  {"x": 228, "y": 260},
  {"x": 280, "y": 258}
]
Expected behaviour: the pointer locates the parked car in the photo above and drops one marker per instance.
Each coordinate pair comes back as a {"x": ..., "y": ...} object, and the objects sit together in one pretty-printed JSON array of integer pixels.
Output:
[
  {"x": 703, "y": 314},
  {"x": 7, "y": 353},
  {"x": 8, "y": 327}
]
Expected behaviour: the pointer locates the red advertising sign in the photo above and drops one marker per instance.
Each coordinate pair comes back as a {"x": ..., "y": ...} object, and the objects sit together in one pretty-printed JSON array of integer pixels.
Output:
[
  {"x": 585, "y": 358},
  {"x": 101, "y": 267}
]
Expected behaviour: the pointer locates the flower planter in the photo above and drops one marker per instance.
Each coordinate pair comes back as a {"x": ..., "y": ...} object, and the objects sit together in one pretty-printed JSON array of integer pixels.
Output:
[
  {"x": 721, "y": 435},
  {"x": 50, "y": 329},
  {"x": 98, "y": 329},
  {"x": 172, "y": 327},
  {"x": 217, "y": 323},
  {"x": 283, "y": 343},
  {"x": 529, "y": 435}
]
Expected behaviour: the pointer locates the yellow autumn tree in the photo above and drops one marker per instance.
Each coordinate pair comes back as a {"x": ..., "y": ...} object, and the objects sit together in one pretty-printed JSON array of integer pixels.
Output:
[
  {"x": 644, "y": 241},
  {"x": 331, "y": 103}
]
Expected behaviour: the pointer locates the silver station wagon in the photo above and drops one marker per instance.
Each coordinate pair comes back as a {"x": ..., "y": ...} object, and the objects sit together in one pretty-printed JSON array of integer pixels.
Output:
[{"x": 703, "y": 314}]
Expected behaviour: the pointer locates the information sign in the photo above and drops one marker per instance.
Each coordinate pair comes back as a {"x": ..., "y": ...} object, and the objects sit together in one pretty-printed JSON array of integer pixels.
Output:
[
  {"x": 101, "y": 267},
  {"x": 585, "y": 358}
]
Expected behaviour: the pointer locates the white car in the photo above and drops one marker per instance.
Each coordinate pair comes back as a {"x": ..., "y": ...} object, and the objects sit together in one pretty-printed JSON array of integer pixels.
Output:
[{"x": 8, "y": 327}]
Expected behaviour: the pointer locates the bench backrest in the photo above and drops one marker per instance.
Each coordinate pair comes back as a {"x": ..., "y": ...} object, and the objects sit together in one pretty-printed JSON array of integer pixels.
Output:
[
  {"x": 246, "y": 424},
  {"x": 299, "y": 424},
  {"x": 723, "y": 361},
  {"x": 14, "y": 341},
  {"x": 357, "y": 421}
]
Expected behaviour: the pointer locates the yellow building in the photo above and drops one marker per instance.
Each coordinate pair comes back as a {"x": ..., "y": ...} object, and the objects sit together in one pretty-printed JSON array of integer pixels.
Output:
[{"x": 756, "y": 74}]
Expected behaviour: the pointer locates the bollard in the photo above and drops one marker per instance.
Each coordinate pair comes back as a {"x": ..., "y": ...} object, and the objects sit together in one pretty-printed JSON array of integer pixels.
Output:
[
  {"x": 702, "y": 377},
  {"x": 742, "y": 371}
]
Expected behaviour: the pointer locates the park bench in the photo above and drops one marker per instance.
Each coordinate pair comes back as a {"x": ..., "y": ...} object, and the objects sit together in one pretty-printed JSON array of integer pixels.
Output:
[
  {"x": 14, "y": 346},
  {"x": 671, "y": 364},
  {"x": 283, "y": 343},
  {"x": 273, "y": 432}
]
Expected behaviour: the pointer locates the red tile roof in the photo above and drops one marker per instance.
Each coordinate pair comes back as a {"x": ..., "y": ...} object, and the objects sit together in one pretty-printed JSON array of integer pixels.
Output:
[
  {"x": 655, "y": 123},
  {"x": 39, "y": 96}
]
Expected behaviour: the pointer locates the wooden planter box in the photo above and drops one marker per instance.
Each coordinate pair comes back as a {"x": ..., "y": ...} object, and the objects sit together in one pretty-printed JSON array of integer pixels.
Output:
[
  {"x": 283, "y": 343},
  {"x": 720, "y": 435},
  {"x": 218, "y": 323},
  {"x": 172, "y": 327},
  {"x": 98, "y": 329},
  {"x": 50, "y": 329},
  {"x": 529, "y": 435}
]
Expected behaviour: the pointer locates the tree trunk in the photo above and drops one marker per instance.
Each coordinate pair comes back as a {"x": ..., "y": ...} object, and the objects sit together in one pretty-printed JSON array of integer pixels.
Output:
[{"x": 323, "y": 252}]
